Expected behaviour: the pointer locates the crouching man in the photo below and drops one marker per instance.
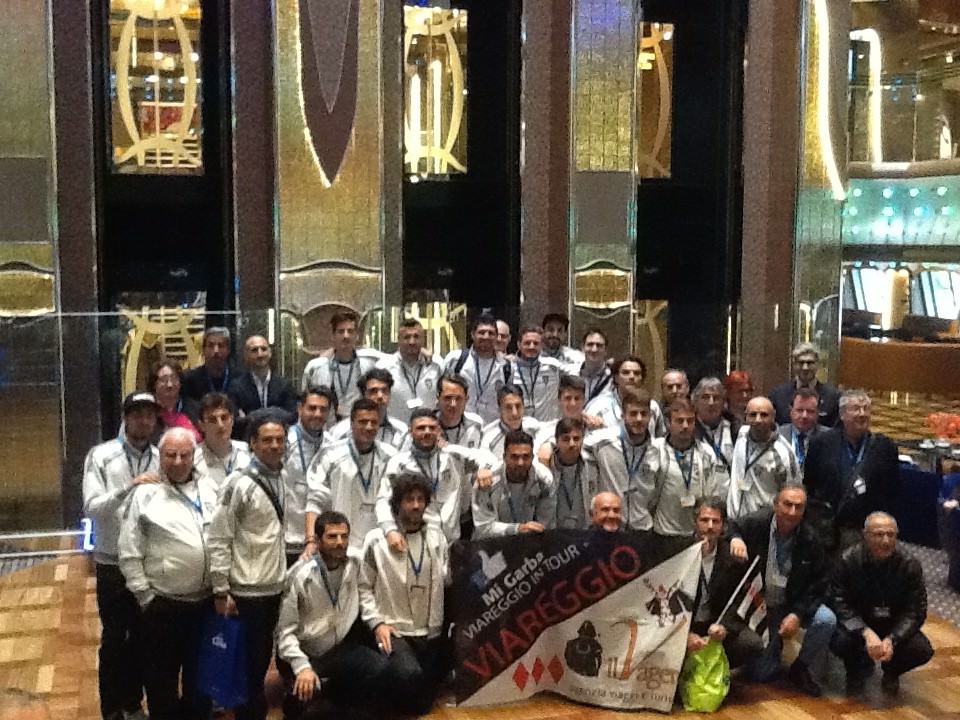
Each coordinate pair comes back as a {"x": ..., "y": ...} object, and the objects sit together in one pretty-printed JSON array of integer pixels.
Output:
[
  {"x": 880, "y": 599},
  {"x": 401, "y": 598},
  {"x": 319, "y": 634}
]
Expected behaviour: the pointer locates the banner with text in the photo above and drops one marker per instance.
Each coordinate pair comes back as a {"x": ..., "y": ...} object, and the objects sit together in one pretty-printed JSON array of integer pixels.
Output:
[{"x": 589, "y": 615}]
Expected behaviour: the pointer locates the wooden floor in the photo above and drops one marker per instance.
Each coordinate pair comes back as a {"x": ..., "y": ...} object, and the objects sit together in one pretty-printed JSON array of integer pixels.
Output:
[{"x": 49, "y": 632}]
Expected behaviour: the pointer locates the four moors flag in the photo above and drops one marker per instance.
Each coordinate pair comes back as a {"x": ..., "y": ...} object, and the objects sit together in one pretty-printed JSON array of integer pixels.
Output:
[{"x": 590, "y": 615}]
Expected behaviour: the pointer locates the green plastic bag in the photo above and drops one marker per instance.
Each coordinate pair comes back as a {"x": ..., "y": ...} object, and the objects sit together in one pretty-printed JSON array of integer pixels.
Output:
[{"x": 705, "y": 680}]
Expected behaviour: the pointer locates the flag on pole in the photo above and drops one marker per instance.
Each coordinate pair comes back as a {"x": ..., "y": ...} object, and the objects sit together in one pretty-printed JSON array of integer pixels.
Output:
[{"x": 748, "y": 601}]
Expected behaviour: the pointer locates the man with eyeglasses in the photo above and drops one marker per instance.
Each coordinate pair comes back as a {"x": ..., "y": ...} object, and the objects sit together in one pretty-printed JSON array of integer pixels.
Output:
[
  {"x": 849, "y": 473},
  {"x": 880, "y": 600},
  {"x": 806, "y": 359}
]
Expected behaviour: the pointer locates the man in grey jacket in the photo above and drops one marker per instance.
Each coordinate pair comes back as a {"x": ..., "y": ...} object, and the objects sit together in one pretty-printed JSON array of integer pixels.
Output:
[
  {"x": 327, "y": 650},
  {"x": 163, "y": 555},
  {"x": 247, "y": 560},
  {"x": 111, "y": 471}
]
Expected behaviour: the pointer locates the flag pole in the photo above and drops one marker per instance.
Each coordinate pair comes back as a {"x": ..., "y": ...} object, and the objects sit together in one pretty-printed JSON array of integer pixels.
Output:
[{"x": 739, "y": 587}]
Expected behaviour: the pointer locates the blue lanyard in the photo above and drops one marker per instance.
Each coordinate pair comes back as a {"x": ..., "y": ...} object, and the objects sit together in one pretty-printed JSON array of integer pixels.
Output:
[
  {"x": 428, "y": 471},
  {"x": 576, "y": 482},
  {"x": 196, "y": 503},
  {"x": 528, "y": 391},
  {"x": 447, "y": 431},
  {"x": 596, "y": 384},
  {"x": 343, "y": 387},
  {"x": 686, "y": 474},
  {"x": 145, "y": 454},
  {"x": 753, "y": 461},
  {"x": 416, "y": 380},
  {"x": 326, "y": 581},
  {"x": 303, "y": 458},
  {"x": 417, "y": 567},
  {"x": 633, "y": 464},
  {"x": 365, "y": 481},
  {"x": 223, "y": 384},
  {"x": 858, "y": 458},
  {"x": 482, "y": 386}
]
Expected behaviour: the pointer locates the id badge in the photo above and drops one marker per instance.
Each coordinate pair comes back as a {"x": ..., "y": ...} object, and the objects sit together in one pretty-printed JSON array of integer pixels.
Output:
[
  {"x": 743, "y": 484},
  {"x": 414, "y": 403},
  {"x": 881, "y": 612},
  {"x": 368, "y": 507},
  {"x": 859, "y": 486},
  {"x": 688, "y": 501},
  {"x": 778, "y": 581}
]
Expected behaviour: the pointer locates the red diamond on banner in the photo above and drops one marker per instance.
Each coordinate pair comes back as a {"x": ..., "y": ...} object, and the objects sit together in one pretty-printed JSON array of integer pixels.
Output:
[
  {"x": 520, "y": 676},
  {"x": 538, "y": 669},
  {"x": 555, "y": 668}
]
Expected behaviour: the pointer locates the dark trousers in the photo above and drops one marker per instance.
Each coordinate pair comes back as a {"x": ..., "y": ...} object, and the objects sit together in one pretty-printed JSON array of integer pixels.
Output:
[
  {"x": 259, "y": 617},
  {"x": 121, "y": 676},
  {"x": 171, "y": 643},
  {"x": 412, "y": 674},
  {"x": 348, "y": 674},
  {"x": 908, "y": 654}
]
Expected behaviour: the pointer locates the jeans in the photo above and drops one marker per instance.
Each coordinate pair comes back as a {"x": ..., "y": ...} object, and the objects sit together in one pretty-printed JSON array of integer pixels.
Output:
[
  {"x": 121, "y": 675},
  {"x": 819, "y": 630}
]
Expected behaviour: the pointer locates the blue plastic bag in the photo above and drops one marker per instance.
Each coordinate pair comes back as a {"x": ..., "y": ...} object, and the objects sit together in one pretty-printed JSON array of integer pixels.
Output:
[{"x": 221, "y": 671}]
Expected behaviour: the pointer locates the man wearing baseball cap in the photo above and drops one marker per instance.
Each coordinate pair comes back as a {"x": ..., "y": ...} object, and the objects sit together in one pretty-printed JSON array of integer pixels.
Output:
[{"x": 110, "y": 472}]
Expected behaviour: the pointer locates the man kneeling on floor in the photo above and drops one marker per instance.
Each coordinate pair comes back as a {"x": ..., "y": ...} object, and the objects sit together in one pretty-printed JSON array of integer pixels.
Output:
[
  {"x": 330, "y": 652},
  {"x": 880, "y": 599},
  {"x": 401, "y": 598}
]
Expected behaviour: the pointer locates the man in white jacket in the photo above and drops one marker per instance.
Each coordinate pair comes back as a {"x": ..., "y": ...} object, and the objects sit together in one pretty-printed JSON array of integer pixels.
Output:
[
  {"x": 376, "y": 385},
  {"x": 247, "y": 561},
  {"x": 218, "y": 455},
  {"x": 110, "y": 473},
  {"x": 163, "y": 555},
  {"x": 401, "y": 598},
  {"x": 319, "y": 638}
]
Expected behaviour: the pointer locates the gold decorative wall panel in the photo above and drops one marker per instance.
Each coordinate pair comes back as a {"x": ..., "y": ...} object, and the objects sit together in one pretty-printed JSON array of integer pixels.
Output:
[
  {"x": 334, "y": 215},
  {"x": 603, "y": 185}
]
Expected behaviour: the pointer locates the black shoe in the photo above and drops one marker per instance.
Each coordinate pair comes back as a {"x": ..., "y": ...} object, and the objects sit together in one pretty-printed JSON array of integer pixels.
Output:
[
  {"x": 890, "y": 683},
  {"x": 799, "y": 675}
]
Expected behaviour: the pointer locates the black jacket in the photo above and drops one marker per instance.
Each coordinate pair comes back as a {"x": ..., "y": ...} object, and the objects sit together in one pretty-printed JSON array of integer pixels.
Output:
[
  {"x": 196, "y": 382},
  {"x": 280, "y": 394},
  {"x": 807, "y": 584},
  {"x": 828, "y": 402},
  {"x": 887, "y": 596},
  {"x": 833, "y": 498},
  {"x": 727, "y": 573}
]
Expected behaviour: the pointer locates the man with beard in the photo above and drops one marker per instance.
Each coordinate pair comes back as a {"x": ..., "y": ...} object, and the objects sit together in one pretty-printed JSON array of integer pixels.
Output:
[
  {"x": 214, "y": 374},
  {"x": 451, "y": 471},
  {"x": 247, "y": 552},
  {"x": 305, "y": 440},
  {"x": 538, "y": 376},
  {"x": 763, "y": 462},
  {"x": 401, "y": 598},
  {"x": 319, "y": 636},
  {"x": 482, "y": 367},
  {"x": 414, "y": 375},
  {"x": 110, "y": 473},
  {"x": 555, "y": 327},
  {"x": 613, "y": 459},
  {"x": 627, "y": 372},
  {"x": 349, "y": 473},
  {"x": 218, "y": 455},
  {"x": 680, "y": 472},
  {"x": 522, "y": 498},
  {"x": 376, "y": 385},
  {"x": 166, "y": 527}
]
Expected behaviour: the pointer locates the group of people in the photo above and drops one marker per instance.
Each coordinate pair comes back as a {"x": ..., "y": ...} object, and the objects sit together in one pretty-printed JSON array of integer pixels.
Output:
[{"x": 327, "y": 531}]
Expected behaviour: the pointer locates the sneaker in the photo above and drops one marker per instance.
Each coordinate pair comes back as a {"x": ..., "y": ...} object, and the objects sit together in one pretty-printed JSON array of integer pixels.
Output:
[
  {"x": 799, "y": 675},
  {"x": 890, "y": 683}
]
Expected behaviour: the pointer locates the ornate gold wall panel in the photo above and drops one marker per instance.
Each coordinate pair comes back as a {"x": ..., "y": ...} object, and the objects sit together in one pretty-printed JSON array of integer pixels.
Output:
[
  {"x": 337, "y": 196},
  {"x": 603, "y": 184}
]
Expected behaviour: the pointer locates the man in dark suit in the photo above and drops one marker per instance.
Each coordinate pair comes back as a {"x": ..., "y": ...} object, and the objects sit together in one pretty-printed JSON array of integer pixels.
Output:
[
  {"x": 794, "y": 570},
  {"x": 803, "y": 424},
  {"x": 805, "y": 359},
  {"x": 720, "y": 574},
  {"x": 215, "y": 374},
  {"x": 259, "y": 388},
  {"x": 849, "y": 473}
]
